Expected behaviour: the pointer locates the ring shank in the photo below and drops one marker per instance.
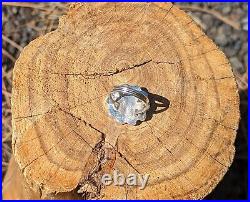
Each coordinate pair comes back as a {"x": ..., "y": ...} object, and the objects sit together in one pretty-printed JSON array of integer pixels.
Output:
[{"x": 126, "y": 90}]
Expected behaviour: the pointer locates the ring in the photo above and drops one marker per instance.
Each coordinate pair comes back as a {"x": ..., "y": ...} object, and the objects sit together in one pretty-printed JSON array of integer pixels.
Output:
[{"x": 128, "y": 104}]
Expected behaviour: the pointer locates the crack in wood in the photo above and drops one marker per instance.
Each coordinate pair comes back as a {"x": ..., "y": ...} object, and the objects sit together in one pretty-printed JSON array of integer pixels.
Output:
[
  {"x": 95, "y": 75},
  {"x": 103, "y": 74},
  {"x": 90, "y": 186}
]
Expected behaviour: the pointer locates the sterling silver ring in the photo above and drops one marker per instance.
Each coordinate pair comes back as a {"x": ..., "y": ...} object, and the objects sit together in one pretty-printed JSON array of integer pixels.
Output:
[{"x": 128, "y": 104}]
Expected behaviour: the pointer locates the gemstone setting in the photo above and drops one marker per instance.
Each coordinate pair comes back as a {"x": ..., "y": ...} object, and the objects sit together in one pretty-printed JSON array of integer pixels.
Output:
[{"x": 128, "y": 104}]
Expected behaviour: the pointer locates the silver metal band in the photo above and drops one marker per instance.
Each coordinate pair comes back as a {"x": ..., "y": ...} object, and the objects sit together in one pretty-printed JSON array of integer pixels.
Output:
[{"x": 127, "y": 90}]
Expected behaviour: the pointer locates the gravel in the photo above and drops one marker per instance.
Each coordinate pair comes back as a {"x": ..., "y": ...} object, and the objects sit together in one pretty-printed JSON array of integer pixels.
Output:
[
  {"x": 231, "y": 42},
  {"x": 221, "y": 40},
  {"x": 238, "y": 66}
]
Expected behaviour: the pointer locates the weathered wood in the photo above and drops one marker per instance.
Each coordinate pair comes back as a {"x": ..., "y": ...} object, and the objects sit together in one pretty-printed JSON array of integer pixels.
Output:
[
  {"x": 62, "y": 131},
  {"x": 14, "y": 185}
]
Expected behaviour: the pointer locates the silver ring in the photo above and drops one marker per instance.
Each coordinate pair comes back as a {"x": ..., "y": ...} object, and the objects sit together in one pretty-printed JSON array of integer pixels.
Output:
[
  {"x": 128, "y": 103},
  {"x": 128, "y": 90}
]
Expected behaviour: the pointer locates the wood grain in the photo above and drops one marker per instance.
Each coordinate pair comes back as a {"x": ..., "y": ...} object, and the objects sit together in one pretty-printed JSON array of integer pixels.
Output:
[{"x": 62, "y": 131}]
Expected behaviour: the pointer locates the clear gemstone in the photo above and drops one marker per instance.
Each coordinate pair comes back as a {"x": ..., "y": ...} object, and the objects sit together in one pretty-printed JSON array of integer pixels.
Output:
[{"x": 128, "y": 109}]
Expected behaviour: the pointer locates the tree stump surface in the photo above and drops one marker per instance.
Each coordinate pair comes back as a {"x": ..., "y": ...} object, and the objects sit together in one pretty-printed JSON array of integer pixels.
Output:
[{"x": 63, "y": 138}]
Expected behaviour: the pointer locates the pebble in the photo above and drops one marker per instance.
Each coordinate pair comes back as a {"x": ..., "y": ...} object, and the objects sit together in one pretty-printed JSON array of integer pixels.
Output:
[
  {"x": 207, "y": 20},
  {"x": 230, "y": 51},
  {"x": 221, "y": 40},
  {"x": 237, "y": 65},
  {"x": 8, "y": 26},
  {"x": 245, "y": 23},
  {"x": 234, "y": 36},
  {"x": 11, "y": 50},
  {"x": 226, "y": 29},
  {"x": 246, "y": 59},
  {"x": 245, "y": 47},
  {"x": 237, "y": 45},
  {"x": 226, "y": 9}
]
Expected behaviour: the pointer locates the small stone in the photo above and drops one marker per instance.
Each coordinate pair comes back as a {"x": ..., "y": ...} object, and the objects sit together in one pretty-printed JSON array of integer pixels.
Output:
[
  {"x": 207, "y": 20},
  {"x": 237, "y": 65},
  {"x": 245, "y": 23},
  {"x": 12, "y": 50},
  {"x": 246, "y": 59},
  {"x": 226, "y": 29},
  {"x": 245, "y": 27},
  {"x": 237, "y": 45},
  {"x": 235, "y": 36},
  {"x": 221, "y": 40},
  {"x": 230, "y": 52},
  {"x": 8, "y": 26},
  {"x": 226, "y": 9}
]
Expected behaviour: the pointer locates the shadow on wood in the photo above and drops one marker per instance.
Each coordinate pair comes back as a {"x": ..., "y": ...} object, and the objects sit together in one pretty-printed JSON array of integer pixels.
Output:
[{"x": 158, "y": 104}]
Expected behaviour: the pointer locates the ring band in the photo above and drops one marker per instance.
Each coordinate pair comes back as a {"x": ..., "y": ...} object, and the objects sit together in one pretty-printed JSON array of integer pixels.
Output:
[{"x": 127, "y": 90}]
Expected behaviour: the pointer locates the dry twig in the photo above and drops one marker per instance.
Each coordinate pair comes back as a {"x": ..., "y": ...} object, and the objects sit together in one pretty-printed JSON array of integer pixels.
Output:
[
  {"x": 8, "y": 55},
  {"x": 13, "y": 43},
  {"x": 27, "y": 5}
]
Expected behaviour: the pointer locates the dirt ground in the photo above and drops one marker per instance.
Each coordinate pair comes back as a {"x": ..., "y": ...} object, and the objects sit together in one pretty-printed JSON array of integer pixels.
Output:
[{"x": 225, "y": 23}]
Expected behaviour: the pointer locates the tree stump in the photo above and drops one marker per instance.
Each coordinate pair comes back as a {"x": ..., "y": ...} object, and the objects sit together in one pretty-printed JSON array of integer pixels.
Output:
[{"x": 63, "y": 138}]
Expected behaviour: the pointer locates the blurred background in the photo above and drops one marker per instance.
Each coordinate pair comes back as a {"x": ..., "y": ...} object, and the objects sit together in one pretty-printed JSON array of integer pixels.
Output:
[{"x": 225, "y": 23}]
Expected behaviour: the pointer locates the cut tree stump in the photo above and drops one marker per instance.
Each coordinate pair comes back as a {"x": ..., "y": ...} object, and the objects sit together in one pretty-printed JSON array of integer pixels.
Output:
[{"x": 63, "y": 138}]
